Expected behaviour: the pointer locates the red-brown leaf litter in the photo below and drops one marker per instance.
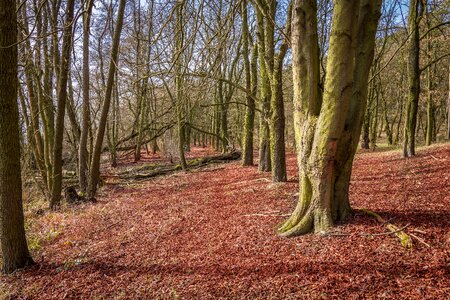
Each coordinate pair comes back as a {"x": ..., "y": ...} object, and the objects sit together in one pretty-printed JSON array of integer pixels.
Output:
[{"x": 211, "y": 234}]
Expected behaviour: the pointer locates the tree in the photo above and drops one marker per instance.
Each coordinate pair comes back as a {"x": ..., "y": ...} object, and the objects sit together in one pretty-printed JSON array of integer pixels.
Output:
[
  {"x": 62, "y": 98},
  {"x": 12, "y": 231},
  {"x": 448, "y": 106},
  {"x": 247, "y": 143},
  {"x": 95, "y": 165},
  {"x": 179, "y": 80},
  {"x": 264, "y": 38},
  {"x": 277, "y": 122},
  {"x": 409, "y": 142},
  {"x": 83, "y": 153},
  {"x": 327, "y": 128}
]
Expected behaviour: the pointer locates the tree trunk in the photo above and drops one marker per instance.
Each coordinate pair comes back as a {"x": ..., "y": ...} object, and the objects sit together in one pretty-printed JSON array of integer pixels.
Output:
[
  {"x": 264, "y": 131},
  {"x": 62, "y": 98},
  {"x": 409, "y": 143},
  {"x": 369, "y": 15},
  {"x": 374, "y": 123},
  {"x": 33, "y": 131},
  {"x": 430, "y": 110},
  {"x": 179, "y": 40},
  {"x": 448, "y": 106},
  {"x": 140, "y": 84},
  {"x": 83, "y": 153},
  {"x": 12, "y": 231},
  {"x": 95, "y": 165},
  {"x": 387, "y": 127},
  {"x": 247, "y": 143},
  {"x": 277, "y": 122},
  {"x": 325, "y": 133},
  {"x": 365, "y": 142}
]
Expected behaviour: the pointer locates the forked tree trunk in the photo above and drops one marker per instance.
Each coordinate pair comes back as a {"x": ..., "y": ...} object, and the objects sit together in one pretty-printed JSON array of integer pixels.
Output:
[
  {"x": 326, "y": 131},
  {"x": 12, "y": 231}
]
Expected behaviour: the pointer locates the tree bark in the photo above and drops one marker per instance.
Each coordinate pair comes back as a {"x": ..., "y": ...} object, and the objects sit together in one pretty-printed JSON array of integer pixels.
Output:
[
  {"x": 369, "y": 15},
  {"x": 448, "y": 106},
  {"x": 179, "y": 40},
  {"x": 12, "y": 231},
  {"x": 95, "y": 165},
  {"x": 412, "y": 104},
  {"x": 247, "y": 143},
  {"x": 277, "y": 122},
  {"x": 62, "y": 99},
  {"x": 264, "y": 130},
  {"x": 83, "y": 152},
  {"x": 325, "y": 133}
]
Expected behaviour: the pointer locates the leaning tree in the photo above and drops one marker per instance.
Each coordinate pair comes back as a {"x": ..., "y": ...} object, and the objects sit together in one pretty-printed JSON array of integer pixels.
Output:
[{"x": 328, "y": 123}]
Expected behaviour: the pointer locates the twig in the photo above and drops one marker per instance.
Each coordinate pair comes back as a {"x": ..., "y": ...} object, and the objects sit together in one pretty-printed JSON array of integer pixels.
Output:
[
  {"x": 420, "y": 240},
  {"x": 266, "y": 215},
  {"x": 389, "y": 232},
  {"x": 404, "y": 238}
]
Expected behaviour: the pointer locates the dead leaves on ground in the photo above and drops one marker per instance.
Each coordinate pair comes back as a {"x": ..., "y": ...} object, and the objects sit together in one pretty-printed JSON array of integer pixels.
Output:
[{"x": 189, "y": 236}]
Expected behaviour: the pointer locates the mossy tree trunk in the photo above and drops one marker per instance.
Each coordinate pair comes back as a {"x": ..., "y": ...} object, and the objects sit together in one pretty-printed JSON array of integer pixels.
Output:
[
  {"x": 12, "y": 231},
  {"x": 250, "y": 84},
  {"x": 369, "y": 15},
  {"x": 412, "y": 104},
  {"x": 265, "y": 94},
  {"x": 277, "y": 122},
  {"x": 327, "y": 129}
]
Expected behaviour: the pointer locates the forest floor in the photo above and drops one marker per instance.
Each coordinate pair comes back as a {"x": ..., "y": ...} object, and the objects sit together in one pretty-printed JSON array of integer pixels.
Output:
[{"x": 210, "y": 234}]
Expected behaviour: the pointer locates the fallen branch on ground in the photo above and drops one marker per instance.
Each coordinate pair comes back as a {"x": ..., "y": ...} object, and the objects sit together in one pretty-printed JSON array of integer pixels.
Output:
[
  {"x": 405, "y": 239},
  {"x": 159, "y": 170},
  {"x": 365, "y": 233}
]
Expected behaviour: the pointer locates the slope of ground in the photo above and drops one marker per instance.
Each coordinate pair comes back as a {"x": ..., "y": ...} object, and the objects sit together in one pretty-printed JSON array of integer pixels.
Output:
[{"x": 210, "y": 234}]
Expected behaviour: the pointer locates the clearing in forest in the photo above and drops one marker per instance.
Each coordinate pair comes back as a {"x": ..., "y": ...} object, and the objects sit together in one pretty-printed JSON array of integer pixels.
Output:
[{"x": 210, "y": 234}]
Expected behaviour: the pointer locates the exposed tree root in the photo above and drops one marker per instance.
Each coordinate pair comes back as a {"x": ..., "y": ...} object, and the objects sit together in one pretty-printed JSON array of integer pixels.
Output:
[
  {"x": 300, "y": 222},
  {"x": 405, "y": 239}
]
